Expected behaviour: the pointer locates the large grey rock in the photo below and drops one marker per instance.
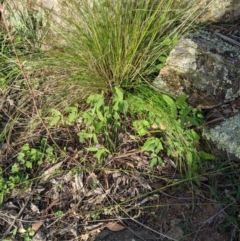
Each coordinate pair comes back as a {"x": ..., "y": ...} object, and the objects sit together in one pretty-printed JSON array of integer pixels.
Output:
[
  {"x": 218, "y": 10},
  {"x": 226, "y": 135},
  {"x": 205, "y": 68}
]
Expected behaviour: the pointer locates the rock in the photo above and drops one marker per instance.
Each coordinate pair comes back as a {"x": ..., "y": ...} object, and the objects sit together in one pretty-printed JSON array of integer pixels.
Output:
[
  {"x": 211, "y": 10},
  {"x": 226, "y": 135},
  {"x": 218, "y": 10},
  {"x": 205, "y": 68}
]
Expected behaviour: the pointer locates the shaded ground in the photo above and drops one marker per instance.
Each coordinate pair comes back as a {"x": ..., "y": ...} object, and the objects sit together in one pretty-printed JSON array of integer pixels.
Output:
[
  {"x": 79, "y": 206},
  {"x": 175, "y": 222}
]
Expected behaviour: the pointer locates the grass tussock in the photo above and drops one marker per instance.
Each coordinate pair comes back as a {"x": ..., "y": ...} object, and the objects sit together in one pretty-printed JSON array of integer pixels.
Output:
[
  {"x": 114, "y": 43},
  {"x": 98, "y": 46}
]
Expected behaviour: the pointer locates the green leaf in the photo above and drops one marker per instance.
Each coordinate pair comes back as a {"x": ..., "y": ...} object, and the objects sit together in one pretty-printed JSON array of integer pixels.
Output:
[
  {"x": 118, "y": 94},
  {"x": 100, "y": 102},
  {"x": 168, "y": 100},
  {"x": 2, "y": 193},
  {"x": 162, "y": 58},
  {"x": 159, "y": 147},
  {"x": 206, "y": 156},
  {"x": 153, "y": 162},
  {"x": 100, "y": 115},
  {"x": 149, "y": 144},
  {"x": 145, "y": 123},
  {"x": 26, "y": 147},
  {"x": 15, "y": 168},
  {"x": 181, "y": 102},
  {"x": 116, "y": 116},
  {"x": 43, "y": 143},
  {"x": 71, "y": 109},
  {"x": 96, "y": 101},
  {"x": 182, "y": 121},
  {"x": 88, "y": 117},
  {"x": 54, "y": 120},
  {"x": 56, "y": 112},
  {"x": 92, "y": 148},
  {"x": 95, "y": 139},
  {"x": 189, "y": 158},
  {"x": 140, "y": 126},
  {"x": 142, "y": 132},
  {"x": 28, "y": 164},
  {"x": 160, "y": 161},
  {"x": 58, "y": 214},
  {"x": 193, "y": 135},
  {"x": 31, "y": 233},
  {"x": 185, "y": 112},
  {"x": 93, "y": 98},
  {"x": 21, "y": 156},
  {"x": 174, "y": 111},
  {"x": 14, "y": 232},
  {"x": 100, "y": 152},
  {"x": 99, "y": 126},
  {"x": 84, "y": 135},
  {"x": 116, "y": 106},
  {"x": 123, "y": 106},
  {"x": 72, "y": 117},
  {"x": 192, "y": 121}
]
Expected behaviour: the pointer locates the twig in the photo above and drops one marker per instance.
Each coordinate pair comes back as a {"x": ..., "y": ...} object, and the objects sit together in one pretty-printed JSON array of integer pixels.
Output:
[{"x": 211, "y": 122}]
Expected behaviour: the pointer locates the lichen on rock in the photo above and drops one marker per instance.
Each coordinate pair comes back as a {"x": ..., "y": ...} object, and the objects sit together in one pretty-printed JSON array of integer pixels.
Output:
[
  {"x": 204, "y": 67},
  {"x": 226, "y": 135}
]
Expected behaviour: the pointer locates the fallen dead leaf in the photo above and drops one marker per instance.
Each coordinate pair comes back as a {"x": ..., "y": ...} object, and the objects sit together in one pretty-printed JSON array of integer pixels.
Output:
[
  {"x": 115, "y": 227},
  {"x": 37, "y": 225},
  {"x": 76, "y": 154},
  {"x": 10, "y": 101},
  {"x": 50, "y": 171},
  {"x": 34, "y": 208},
  {"x": 84, "y": 237}
]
